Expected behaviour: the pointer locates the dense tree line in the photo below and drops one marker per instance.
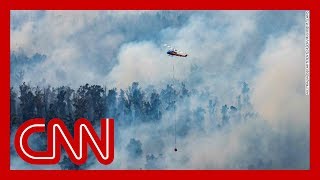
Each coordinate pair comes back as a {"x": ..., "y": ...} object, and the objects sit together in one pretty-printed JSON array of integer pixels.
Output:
[{"x": 129, "y": 107}]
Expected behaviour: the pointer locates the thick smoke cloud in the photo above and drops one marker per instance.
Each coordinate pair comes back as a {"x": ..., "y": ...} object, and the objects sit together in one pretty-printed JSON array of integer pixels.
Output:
[
  {"x": 265, "y": 49},
  {"x": 81, "y": 46}
]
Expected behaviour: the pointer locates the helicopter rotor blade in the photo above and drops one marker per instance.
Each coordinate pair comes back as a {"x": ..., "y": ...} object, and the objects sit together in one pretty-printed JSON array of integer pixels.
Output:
[{"x": 168, "y": 46}]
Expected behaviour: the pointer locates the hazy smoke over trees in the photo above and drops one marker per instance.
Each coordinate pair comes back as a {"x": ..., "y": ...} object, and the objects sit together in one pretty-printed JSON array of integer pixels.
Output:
[{"x": 236, "y": 102}]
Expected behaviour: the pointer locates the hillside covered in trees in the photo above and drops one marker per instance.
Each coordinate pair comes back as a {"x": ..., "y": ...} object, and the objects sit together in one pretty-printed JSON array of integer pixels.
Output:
[{"x": 131, "y": 108}]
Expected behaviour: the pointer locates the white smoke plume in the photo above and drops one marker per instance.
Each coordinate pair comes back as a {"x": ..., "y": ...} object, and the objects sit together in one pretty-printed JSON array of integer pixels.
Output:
[{"x": 226, "y": 48}]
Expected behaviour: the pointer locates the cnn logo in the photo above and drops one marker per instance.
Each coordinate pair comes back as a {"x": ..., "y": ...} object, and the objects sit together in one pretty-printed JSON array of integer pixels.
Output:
[{"x": 58, "y": 135}]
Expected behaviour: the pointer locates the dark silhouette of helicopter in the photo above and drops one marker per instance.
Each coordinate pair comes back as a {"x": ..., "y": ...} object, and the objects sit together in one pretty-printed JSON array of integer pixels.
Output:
[{"x": 174, "y": 52}]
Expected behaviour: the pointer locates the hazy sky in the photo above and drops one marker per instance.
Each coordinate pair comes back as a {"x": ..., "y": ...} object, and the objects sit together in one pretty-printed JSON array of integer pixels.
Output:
[{"x": 115, "y": 48}]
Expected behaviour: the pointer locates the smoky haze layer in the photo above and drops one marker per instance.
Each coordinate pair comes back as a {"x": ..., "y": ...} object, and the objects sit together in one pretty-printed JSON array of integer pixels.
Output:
[{"x": 237, "y": 101}]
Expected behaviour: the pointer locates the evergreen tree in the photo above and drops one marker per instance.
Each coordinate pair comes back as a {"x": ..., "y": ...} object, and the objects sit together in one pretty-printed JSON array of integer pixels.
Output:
[
  {"x": 169, "y": 96},
  {"x": 123, "y": 109},
  {"x": 39, "y": 102},
  {"x": 112, "y": 103},
  {"x": 14, "y": 119},
  {"x": 27, "y": 102},
  {"x": 136, "y": 101},
  {"x": 97, "y": 103},
  {"x": 155, "y": 105}
]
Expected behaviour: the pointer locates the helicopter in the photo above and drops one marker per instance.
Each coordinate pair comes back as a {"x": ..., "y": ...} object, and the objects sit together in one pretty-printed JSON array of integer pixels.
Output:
[{"x": 175, "y": 52}]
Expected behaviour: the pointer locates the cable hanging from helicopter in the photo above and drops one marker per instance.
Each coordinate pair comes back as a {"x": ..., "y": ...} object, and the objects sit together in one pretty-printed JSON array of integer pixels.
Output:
[{"x": 175, "y": 52}]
